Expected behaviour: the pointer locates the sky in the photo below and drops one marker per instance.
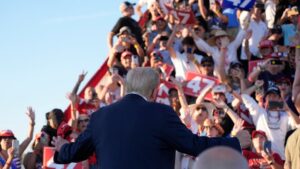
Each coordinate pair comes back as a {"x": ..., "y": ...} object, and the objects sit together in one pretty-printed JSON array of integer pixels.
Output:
[{"x": 44, "y": 46}]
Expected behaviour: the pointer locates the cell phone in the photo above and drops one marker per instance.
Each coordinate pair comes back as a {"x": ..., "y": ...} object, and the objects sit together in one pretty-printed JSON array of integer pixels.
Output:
[
  {"x": 113, "y": 70},
  {"x": 164, "y": 38},
  {"x": 135, "y": 59},
  {"x": 276, "y": 62},
  {"x": 15, "y": 145},
  {"x": 189, "y": 50},
  {"x": 274, "y": 105},
  {"x": 268, "y": 147}
]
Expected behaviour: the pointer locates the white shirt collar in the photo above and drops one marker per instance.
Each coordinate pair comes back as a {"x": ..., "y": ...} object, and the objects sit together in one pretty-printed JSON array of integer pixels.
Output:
[{"x": 138, "y": 94}]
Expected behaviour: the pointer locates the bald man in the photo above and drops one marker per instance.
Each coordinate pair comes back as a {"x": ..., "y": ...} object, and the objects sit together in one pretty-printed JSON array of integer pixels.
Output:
[{"x": 221, "y": 157}]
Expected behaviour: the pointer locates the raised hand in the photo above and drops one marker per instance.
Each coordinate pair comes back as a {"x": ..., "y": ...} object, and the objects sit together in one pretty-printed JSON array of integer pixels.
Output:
[
  {"x": 31, "y": 114},
  {"x": 219, "y": 103},
  {"x": 259, "y": 83},
  {"x": 238, "y": 126},
  {"x": 82, "y": 76},
  {"x": 72, "y": 97},
  {"x": 176, "y": 82}
]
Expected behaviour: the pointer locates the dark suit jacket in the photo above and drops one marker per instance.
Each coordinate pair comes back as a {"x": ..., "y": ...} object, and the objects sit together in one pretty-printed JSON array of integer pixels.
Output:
[{"x": 135, "y": 134}]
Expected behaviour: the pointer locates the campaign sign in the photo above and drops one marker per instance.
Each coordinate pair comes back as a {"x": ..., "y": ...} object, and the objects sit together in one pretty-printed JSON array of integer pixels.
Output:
[
  {"x": 48, "y": 162},
  {"x": 163, "y": 92},
  {"x": 184, "y": 16},
  {"x": 241, "y": 4},
  {"x": 166, "y": 71},
  {"x": 197, "y": 83}
]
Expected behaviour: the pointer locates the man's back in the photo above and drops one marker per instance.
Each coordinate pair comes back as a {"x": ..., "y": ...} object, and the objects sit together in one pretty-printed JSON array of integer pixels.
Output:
[{"x": 134, "y": 133}]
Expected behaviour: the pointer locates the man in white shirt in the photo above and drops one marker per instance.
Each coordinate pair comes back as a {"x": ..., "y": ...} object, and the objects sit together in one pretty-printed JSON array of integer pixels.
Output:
[
  {"x": 184, "y": 60},
  {"x": 273, "y": 119},
  {"x": 259, "y": 31}
]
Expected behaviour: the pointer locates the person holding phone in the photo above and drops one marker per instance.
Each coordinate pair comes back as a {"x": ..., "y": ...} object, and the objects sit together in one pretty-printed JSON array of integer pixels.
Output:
[
  {"x": 186, "y": 59},
  {"x": 11, "y": 151},
  {"x": 273, "y": 117},
  {"x": 261, "y": 156}
]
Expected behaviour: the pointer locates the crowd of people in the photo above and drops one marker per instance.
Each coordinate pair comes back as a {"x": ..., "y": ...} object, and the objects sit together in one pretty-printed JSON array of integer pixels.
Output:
[{"x": 257, "y": 104}]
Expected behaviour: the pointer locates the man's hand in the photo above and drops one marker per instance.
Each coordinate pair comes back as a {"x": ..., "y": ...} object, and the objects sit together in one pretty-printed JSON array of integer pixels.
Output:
[{"x": 58, "y": 142}]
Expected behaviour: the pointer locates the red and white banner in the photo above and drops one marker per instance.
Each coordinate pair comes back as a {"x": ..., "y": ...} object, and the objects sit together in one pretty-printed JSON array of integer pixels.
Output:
[
  {"x": 166, "y": 70},
  {"x": 185, "y": 17},
  {"x": 48, "y": 162},
  {"x": 163, "y": 92},
  {"x": 197, "y": 83},
  {"x": 253, "y": 64}
]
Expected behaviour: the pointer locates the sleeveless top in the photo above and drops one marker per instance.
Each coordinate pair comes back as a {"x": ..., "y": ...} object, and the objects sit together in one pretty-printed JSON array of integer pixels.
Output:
[{"x": 15, "y": 164}]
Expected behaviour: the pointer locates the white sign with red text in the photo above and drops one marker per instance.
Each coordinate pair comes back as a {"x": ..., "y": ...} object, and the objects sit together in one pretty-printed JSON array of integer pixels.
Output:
[
  {"x": 48, "y": 162},
  {"x": 163, "y": 92},
  {"x": 184, "y": 16},
  {"x": 197, "y": 83}
]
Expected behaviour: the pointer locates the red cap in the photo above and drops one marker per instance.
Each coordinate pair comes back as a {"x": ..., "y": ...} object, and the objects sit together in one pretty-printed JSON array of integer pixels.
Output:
[
  {"x": 126, "y": 53},
  {"x": 255, "y": 132},
  {"x": 266, "y": 44},
  {"x": 7, "y": 133}
]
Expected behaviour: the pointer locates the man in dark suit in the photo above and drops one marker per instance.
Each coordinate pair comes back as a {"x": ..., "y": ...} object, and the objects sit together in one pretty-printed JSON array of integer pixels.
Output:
[{"x": 135, "y": 133}]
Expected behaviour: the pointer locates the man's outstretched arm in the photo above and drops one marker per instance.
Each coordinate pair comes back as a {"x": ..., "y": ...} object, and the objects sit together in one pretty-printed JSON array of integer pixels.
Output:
[
  {"x": 77, "y": 151},
  {"x": 182, "y": 139}
]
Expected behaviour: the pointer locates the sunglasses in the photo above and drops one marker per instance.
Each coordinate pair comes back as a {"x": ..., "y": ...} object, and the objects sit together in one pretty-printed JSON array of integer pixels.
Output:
[
  {"x": 201, "y": 108},
  {"x": 83, "y": 120},
  {"x": 208, "y": 127}
]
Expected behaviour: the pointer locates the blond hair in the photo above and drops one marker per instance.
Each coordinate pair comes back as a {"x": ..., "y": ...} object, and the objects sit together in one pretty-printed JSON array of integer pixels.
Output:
[{"x": 142, "y": 80}]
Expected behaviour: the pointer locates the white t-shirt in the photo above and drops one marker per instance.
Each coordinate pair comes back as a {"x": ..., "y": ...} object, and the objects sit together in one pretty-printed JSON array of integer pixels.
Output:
[
  {"x": 259, "y": 30},
  {"x": 182, "y": 65},
  {"x": 275, "y": 130},
  {"x": 215, "y": 52}
]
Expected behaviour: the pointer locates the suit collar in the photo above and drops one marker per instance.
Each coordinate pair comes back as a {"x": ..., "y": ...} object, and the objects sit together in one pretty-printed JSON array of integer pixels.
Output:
[{"x": 137, "y": 95}]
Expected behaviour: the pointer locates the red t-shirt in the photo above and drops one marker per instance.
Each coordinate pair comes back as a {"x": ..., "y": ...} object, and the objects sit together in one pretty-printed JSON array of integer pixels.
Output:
[
  {"x": 256, "y": 161},
  {"x": 84, "y": 107}
]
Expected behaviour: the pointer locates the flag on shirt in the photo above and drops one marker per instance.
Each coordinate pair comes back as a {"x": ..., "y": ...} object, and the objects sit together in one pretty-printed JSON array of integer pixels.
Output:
[{"x": 241, "y": 4}]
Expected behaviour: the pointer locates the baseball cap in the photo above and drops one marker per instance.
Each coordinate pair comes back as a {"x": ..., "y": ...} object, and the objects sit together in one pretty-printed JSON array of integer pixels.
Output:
[
  {"x": 125, "y": 5},
  {"x": 7, "y": 133},
  {"x": 206, "y": 60},
  {"x": 234, "y": 65},
  {"x": 220, "y": 88},
  {"x": 126, "y": 54},
  {"x": 124, "y": 29},
  {"x": 266, "y": 44},
  {"x": 255, "y": 132},
  {"x": 272, "y": 89}
]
